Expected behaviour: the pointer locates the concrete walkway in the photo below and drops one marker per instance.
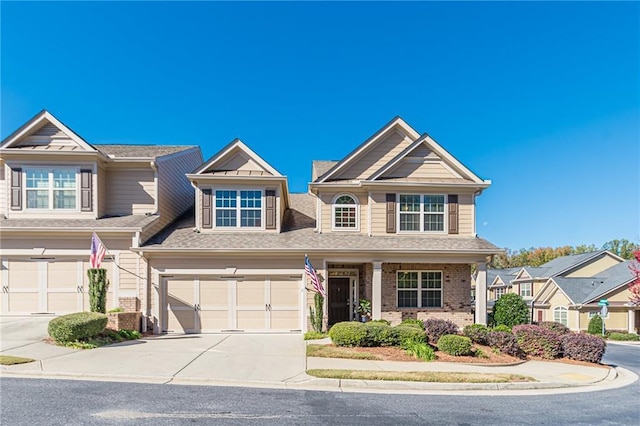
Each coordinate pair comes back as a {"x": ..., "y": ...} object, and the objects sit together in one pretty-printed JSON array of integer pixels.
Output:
[{"x": 261, "y": 360}]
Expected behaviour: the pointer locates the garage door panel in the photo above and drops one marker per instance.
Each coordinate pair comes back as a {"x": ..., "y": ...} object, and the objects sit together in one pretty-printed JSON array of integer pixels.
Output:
[
  {"x": 63, "y": 275},
  {"x": 214, "y": 294},
  {"x": 181, "y": 320},
  {"x": 285, "y": 320},
  {"x": 25, "y": 303},
  {"x": 181, "y": 292},
  {"x": 250, "y": 293},
  {"x": 24, "y": 275},
  {"x": 214, "y": 320},
  {"x": 251, "y": 320},
  {"x": 285, "y": 293},
  {"x": 61, "y": 303}
]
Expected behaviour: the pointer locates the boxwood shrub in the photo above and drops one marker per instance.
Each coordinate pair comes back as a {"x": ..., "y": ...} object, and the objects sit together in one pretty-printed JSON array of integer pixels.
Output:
[
  {"x": 538, "y": 341},
  {"x": 413, "y": 322},
  {"x": 76, "y": 326},
  {"x": 628, "y": 337},
  {"x": 595, "y": 325},
  {"x": 379, "y": 334},
  {"x": 583, "y": 347},
  {"x": 455, "y": 345},
  {"x": 502, "y": 327},
  {"x": 478, "y": 333},
  {"x": 348, "y": 333},
  {"x": 505, "y": 343},
  {"x": 555, "y": 326},
  {"x": 405, "y": 333},
  {"x": 435, "y": 328}
]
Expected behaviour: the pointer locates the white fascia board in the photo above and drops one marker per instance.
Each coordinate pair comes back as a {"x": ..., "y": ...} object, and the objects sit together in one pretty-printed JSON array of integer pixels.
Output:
[{"x": 238, "y": 144}]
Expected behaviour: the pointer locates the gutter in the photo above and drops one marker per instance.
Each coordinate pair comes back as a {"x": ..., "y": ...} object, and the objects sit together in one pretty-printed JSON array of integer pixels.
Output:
[{"x": 251, "y": 250}]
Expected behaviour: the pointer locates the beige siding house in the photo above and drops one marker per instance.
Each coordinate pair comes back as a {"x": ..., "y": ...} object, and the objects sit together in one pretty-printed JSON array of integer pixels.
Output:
[{"x": 56, "y": 189}]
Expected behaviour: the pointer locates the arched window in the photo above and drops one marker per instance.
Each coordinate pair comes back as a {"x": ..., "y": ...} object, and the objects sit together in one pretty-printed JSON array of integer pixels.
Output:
[
  {"x": 345, "y": 213},
  {"x": 561, "y": 315}
]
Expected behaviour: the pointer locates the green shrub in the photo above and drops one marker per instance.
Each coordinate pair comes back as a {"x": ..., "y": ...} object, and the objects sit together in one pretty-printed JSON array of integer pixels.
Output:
[
  {"x": 555, "y": 326},
  {"x": 502, "y": 327},
  {"x": 455, "y": 345},
  {"x": 419, "y": 350},
  {"x": 538, "y": 341},
  {"x": 379, "y": 334},
  {"x": 624, "y": 337},
  {"x": 115, "y": 310},
  {"x": 510, "y": 309},
  {"x": 413, "y": 322},
  {"x": 583, "y": 347},
  {"x": 76, "y": 326},
  {"x": 315, "y": 315},
  {"x": 478, "y": 333},
  {"x": 129, "y": 334},
  {"x": 595, "y": 325},
  {"x": 435, "y": 327},
  {"x": 406, "y": 333},
  {"x": 348, "y": 333},
  {"x": 381, "y": 321},
  {"x": 314, "y": 335}
]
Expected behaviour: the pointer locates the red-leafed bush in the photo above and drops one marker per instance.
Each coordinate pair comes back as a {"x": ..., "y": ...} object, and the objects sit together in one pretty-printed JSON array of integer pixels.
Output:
[
  {"x": 555, "y": 326},
  {"x": 505, "y": 343},
  {"x": 583, "y": 347},
  {"x": 538, "y": 341},
  {"x": 435, "y": 328}
]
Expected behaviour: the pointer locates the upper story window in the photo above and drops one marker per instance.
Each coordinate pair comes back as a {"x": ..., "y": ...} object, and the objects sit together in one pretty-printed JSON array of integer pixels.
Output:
[
  {"x": 419, "y": 289},
  {"x": 421, "y": 213},
  {"x": 51, "y": 188},
  {"x": 345, "y": 213},
  {"x": 499, "y": 291},
  {"x": 525, "y": 289},
  {"x": 238, "y": 208}
]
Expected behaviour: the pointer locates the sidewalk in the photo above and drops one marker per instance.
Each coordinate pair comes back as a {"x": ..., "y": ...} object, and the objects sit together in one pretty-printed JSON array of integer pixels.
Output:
[{"x": 217, "y": 360}]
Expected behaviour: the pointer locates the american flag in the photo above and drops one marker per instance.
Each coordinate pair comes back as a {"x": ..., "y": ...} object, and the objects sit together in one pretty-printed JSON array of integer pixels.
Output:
[
  {"x": 311, "y": 273},
  {"x": 98, "y": 251}
]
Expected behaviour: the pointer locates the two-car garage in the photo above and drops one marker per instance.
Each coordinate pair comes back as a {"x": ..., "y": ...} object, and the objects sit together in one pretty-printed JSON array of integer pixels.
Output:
[{"x": 217, "y": 303}]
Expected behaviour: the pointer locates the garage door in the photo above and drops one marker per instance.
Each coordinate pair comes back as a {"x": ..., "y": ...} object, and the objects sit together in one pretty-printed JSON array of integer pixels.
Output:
[
  {"x": 216, "y": 304},
  {"x": 57, "y": 286}
]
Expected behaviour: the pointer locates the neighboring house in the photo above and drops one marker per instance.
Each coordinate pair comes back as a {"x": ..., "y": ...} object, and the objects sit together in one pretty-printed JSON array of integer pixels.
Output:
[
  {"x": 573, "y": 301},
  {"x": 393, "y": 222},
  {"x": 499, "y": 282},
  {"x": 56, "y": 189}
]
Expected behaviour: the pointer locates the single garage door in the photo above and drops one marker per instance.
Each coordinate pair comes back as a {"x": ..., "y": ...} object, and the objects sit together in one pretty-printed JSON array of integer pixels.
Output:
[
  {"x": 56, "y": 286},
  {"x": 218, "y": 304}
]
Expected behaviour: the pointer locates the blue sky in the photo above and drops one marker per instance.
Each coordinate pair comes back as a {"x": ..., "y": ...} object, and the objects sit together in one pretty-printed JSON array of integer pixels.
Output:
[{"x": 541, "y": 98}]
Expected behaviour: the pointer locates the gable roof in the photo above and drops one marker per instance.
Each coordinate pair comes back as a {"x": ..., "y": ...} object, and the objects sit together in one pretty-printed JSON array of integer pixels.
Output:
[
  {"x": 397, "y": 121},
  {"x": 505, "y": 275},
  {"x": 141, "y": 151},
  {"x": 563, "y": 264},
  {"x": 236, "y": 146},
  {"x": 38, "y": 121}
]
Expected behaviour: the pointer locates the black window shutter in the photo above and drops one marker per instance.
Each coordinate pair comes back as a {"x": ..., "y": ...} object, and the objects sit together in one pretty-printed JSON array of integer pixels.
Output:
[{"x": 391, "y": 213}]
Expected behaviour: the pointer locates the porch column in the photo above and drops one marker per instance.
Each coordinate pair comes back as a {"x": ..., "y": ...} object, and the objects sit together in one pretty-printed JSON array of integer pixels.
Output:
[
  {"x": 376, "y": 291},
  {"x": 631, "y": 323},
  {"x": 481, "y": 293}
]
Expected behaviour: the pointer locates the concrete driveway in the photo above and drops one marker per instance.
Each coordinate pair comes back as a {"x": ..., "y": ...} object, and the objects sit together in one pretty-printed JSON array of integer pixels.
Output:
[{"x": 246, "y": 358}]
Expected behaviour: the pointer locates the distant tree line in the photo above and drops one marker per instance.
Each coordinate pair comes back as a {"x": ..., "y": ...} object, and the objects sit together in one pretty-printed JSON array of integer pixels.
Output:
[{"x": 540, "y": 255}]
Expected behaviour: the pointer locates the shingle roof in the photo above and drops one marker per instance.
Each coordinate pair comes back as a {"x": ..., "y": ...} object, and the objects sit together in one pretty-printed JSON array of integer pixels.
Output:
[
  {"x": 584, "y": 290},
  {"x": 561, "y": 264},
  {"x": 119, "y": 222},
  {"x": 140, "y": 151},
  {"x": 505, "y": 274},
  {"x": 320, "y": 167}
]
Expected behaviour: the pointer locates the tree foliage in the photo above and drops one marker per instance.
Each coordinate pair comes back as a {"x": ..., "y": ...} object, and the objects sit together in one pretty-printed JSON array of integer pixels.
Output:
[
  {"x": 98, "y": 285},
  {"x": 623, "y": 248},
  {"x": 510, "y": 310},
  {"x": 634, "y": 286}
]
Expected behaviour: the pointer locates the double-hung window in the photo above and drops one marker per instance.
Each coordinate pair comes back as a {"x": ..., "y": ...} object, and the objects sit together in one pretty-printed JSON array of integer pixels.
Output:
[
  {"x": 51, "y": 188},
  {"x": 419, "y": 289},
  {"x": 238, "y": 208},
  {"x": 525, "y": 289},
  {"x": 499, "y": 291},
  {"x": 421, "y": 212}
]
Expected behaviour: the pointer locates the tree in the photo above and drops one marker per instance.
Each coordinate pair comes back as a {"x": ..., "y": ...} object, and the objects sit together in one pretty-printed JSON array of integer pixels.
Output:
[
  {"x": 316, "y": 315},
  {"x": 510, "y": 310},
  {"x": 98, "y": 285},
  {"x": 634, "y": 286},
  {"x": 623, "y": 248}
]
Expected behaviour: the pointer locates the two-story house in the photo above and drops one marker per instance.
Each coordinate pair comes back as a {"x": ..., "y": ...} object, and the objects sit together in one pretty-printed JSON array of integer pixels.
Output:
[
  {"x": 392, "y": 222},
  {"x": 56, "y": 189}
]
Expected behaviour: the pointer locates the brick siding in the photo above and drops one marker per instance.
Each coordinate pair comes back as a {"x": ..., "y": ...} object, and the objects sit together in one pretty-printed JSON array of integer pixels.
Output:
[
  {"x": 129, "y": 304},
  {"x": 124, "y": 321}
]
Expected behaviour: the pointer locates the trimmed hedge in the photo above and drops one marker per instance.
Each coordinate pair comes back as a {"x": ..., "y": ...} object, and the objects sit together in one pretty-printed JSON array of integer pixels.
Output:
[
  {"x": 555, "y": 326},
  {"x": 455, "y": 345},
  {"x": 502, "y": 327},
  {"x": 381, "y": 321},
  {"x": 379, "y": 334},
  {"x": 76, "y": 326},
  {"x": 435, "y": 328},
  {"x": 624, "y": 337},
  {"x": 413, "y": 323},
  {"x": 595, "y": 325},
  {"x": 348, "y": 333},
  {"x": 583, "y": 347},
  {"x": 538, "y": 341},
  {"x": 505, "y": 343},
  {"x": 510, "y": 309},
  {"x": 478, "y": 333},
  {"x": 405, "y": 333}
]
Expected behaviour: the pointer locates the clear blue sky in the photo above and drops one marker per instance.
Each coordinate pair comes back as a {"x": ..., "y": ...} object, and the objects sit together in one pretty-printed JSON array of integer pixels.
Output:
[{"x": 541, "y": 98}]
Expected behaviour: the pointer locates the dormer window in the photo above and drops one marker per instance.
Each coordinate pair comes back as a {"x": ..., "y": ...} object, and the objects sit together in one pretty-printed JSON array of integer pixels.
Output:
[
  {"x": 345, "y": 213},
  {"x": 51, "y": 188},
  {"x": 238, "y": 208}
]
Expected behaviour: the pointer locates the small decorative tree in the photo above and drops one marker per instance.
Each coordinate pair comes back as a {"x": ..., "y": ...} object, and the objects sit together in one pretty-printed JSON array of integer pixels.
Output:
[
  {"x": 316, "y": 315},
  {"x": 98, "y": 285},
  {"x": 595, "y": 325},
  {"x": 510, "y": 310}
]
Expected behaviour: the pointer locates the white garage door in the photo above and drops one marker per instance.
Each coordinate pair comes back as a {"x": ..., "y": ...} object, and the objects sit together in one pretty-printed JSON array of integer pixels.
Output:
[
  {"x": 216, "y": 304},
  {"x": 56, "y": 286}
]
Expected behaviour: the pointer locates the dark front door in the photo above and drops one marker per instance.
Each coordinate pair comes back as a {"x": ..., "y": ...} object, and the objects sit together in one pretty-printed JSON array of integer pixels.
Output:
[{"x": 338, "y": 300}]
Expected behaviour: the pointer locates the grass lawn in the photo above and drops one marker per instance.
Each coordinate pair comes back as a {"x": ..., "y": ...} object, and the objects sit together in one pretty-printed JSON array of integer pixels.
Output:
[
  {"x": 325, "y": 351},
  {"x": 420, "y": 376},
  {"x": 11, "y": 360}
]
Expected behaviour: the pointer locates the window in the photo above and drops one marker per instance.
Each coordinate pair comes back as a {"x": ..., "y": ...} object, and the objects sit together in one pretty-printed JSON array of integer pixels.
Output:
[
  {"x": 473, "y": 295},
  {"x": 592, "y": 314},
  {"x": 51, "y": 188},
  {"x": 499, "y": 292},
  {"x": 345, "y": 213},
  {"x": 238, "y": 209},
  {"x": 560, "y": 314},
  {"x": 525, "y": 289},
  {"x": 419, "y": 289},
  {"x": 423, "y": 213}
]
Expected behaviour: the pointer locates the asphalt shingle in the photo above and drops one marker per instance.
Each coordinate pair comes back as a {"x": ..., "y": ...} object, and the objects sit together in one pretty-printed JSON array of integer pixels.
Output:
[{"x": 139, "y": 151}]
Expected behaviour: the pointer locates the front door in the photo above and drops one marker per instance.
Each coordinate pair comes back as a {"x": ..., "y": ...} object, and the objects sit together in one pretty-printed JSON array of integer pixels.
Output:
[{"x": 339, "y": 303}]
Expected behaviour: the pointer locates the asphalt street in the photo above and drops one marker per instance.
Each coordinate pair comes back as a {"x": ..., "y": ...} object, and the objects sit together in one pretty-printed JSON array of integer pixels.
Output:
[{"x": 62, "y": 402}]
